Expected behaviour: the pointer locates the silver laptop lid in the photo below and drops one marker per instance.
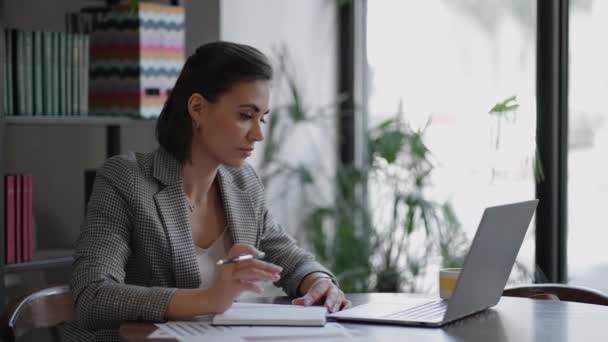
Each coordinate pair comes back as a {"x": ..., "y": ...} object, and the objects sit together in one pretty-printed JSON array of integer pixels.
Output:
[{"x": 490, "y": 258}]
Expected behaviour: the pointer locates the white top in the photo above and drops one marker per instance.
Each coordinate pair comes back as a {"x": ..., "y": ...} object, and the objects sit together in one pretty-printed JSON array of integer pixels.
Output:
[{"x": 206, "y": 258}]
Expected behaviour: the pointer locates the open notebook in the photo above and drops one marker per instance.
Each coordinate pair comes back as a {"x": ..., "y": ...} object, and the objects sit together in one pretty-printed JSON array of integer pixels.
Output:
[{"x": 271, "y": 314}]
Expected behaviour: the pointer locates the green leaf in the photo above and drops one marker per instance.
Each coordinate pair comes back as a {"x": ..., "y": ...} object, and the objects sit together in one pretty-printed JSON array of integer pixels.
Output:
[
  {"x": 419, "y": 149},
  {"x": 386, "y": 123},
  {"x": 316, "y": 235},
  {"x": 507, "y": 105},
  {"x": 304, "y": 174},
  {"x": 387, "y": 145}
]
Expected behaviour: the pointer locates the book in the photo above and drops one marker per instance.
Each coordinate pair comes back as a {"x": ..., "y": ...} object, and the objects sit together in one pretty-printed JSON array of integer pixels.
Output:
[
  {"x": 76, "y": 88},
  {"x": 37, "y": 73},
  {"x": 55, "y": 72},
  {"x": 9, "y": 190},
  {"x": 47, "y": 73},
  {"x": 5, "y": 68},
  {"x": 18, "y": 217},
  {"x": 62, "y": 73},
  {"x": 271, "y": 314},
  {"x": 27, "y": 218},
  {"x": 69, "y": 73},
  {"x": 23, "y": 255},
  {"x": 19, "y": 105},
  {"x": 85, "y": 75},
  {"x": 31, "y": 221},
  {"x": 8, "y": 41},
  {"x": 28, "y": 49}
]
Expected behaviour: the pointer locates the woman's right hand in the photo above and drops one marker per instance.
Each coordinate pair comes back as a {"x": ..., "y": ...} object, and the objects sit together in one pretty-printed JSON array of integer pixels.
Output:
[{"x": 235, "y": 278}]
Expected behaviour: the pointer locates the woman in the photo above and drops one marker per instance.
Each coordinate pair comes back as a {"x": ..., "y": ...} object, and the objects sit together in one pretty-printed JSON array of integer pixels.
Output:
[{"x": 157, "y": 223}]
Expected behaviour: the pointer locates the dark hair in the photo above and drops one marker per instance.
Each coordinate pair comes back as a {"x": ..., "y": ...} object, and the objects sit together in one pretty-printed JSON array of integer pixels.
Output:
[{"x": 211, "y": 71}]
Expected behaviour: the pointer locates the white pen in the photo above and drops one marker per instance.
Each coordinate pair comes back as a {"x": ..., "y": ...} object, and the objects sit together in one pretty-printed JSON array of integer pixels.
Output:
[{"x": 241, "y": 257}]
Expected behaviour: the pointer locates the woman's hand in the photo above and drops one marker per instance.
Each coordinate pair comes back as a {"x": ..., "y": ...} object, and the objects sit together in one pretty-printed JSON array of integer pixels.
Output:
[
  {"x": 235, "y": 278},
  {"x": 322, "y": 291}
]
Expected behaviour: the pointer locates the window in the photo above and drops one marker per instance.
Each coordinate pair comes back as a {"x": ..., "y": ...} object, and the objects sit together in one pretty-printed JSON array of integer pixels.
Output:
[
  {"x": 451, "y": 62},
  {"x": 588, "y": 145}
]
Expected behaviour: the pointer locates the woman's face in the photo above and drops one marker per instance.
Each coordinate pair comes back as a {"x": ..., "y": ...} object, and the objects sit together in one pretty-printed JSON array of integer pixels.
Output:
[{"x": 229, "y": 128}]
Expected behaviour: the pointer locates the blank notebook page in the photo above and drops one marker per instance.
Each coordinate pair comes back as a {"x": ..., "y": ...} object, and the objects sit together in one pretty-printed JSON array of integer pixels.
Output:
[{"x": 271, "y": 314}]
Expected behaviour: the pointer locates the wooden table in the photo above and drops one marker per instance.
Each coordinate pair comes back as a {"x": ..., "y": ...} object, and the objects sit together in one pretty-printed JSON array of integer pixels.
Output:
[{"x": 513, "y": 319}]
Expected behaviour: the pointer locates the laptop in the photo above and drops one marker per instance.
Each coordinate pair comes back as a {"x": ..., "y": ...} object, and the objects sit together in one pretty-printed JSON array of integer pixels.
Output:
[{"x": 481, "y": 281}]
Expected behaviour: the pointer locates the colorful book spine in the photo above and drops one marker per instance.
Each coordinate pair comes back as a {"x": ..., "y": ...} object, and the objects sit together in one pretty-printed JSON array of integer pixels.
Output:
[
  {"x": 10, "y": 223},
  {"x": 55, "y": 71},
  {"x": 27, "y": 241},
  {"x": 37, "y": 73},
  {"x": 62, "y": 94},
  {"x": 69, "y": 73},
  {"x": 75, "y": 74},
  {"x": 8, "y": 100},
  {"x": 23, "y": 227},
  {"x": 47, "y": 73},
  {"x": 20, "y": 72},
  {"x": 28, "y": 41},
  {"x": 18, "y": 217},
  {"x": 5, "y": 69},
  {"x": 85, "y": 75},
  {"x": 31, "y": 220}
]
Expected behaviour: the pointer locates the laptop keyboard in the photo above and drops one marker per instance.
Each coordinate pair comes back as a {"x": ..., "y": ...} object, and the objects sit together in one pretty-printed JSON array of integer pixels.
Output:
[{"x": 430, "y": 311}]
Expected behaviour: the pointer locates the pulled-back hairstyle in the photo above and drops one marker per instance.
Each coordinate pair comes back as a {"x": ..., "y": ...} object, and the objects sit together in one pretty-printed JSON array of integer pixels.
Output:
[{"x": 211, "y": 71}]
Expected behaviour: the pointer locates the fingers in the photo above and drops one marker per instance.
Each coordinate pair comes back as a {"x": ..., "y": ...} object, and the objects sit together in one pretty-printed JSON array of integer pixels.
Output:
[
  {"x": 239, "y": 248},
  {"x": 254, "y": 274},
  {"x": 316, "y": 292},
  {"x": 259, "y": 264},
  {"x": 333, "y": 300},
  {"x": 247, "y": 286},
  {"x": 336, "y": 300}
]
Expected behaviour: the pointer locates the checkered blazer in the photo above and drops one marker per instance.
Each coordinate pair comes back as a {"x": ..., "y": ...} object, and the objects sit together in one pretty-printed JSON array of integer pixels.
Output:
[{"x": 135, "y": 247}]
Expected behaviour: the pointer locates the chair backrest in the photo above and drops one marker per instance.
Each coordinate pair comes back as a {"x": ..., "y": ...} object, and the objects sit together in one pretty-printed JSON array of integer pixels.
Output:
[
  {"x": 562, "y": 292},
  {"x": 45, "y": 308}
]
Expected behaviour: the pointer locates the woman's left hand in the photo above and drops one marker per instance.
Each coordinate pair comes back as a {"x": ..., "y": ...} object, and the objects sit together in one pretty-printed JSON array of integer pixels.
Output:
[{"x": 324, "y": 292}]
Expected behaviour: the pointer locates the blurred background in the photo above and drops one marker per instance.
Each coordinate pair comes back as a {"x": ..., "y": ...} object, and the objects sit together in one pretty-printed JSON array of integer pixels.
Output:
[{"x": 393, "y": 125}]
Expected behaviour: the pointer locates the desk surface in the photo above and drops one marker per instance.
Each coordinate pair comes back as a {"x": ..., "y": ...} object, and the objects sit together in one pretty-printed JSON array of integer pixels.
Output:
[{"x": 513, "y": 319}]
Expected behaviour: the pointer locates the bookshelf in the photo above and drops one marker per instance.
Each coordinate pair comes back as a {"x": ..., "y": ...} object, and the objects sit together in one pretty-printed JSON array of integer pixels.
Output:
[
  {"x": 67, "y": 120},
  {"x": 107, "y": 136},
  {"x": 2, "y": 125},
  {"x": 109, "y": 144},
  {"x": 41, "y": 264}
]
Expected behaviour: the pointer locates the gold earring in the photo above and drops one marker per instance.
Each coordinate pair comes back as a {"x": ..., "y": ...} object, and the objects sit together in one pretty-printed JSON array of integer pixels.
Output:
[{"x": 196, "y": 124}]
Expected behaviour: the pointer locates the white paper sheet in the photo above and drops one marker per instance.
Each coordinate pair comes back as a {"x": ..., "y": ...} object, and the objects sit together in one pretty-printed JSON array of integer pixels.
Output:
[
  {"x": 272, "y": 315},
  {"x": 189, "y": 331},
  {"x": 159, "y": 334}
]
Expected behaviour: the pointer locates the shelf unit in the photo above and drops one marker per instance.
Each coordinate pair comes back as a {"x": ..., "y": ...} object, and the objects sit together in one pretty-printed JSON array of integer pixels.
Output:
[
  {"x": 67, "y": 120},
  {"x": 113, "y": 126},
  {"x": 46, "y": 259},
  {"x": 43, "y": 260},
  {"x": 41, "y": 264}
]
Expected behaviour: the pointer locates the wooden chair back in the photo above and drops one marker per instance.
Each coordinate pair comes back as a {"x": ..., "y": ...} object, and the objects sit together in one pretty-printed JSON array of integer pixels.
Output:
[
  {"x": 567, "y": 293},
  {"x": 46, "y": 308}
]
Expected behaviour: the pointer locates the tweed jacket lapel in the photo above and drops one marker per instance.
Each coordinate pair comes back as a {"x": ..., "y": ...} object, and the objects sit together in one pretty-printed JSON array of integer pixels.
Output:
[
  {"x": 239, "y": 209},
  {"x": 174, "y": 213},
  {"x": 173, "y": 208}
]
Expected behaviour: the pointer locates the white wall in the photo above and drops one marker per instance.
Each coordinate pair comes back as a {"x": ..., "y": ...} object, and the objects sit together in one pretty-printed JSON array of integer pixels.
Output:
[
  {"x": 309, "y": 31},
  {"x": 202, "y": 23}
]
